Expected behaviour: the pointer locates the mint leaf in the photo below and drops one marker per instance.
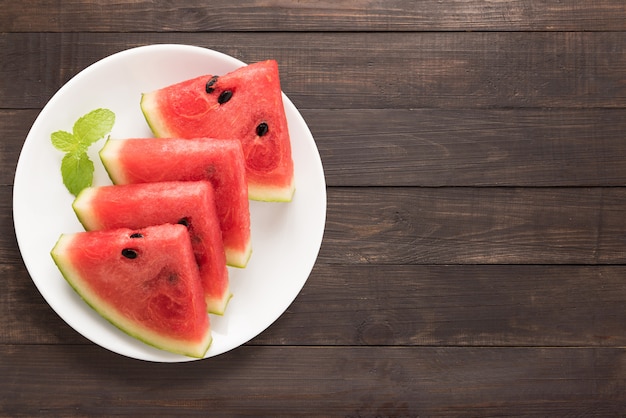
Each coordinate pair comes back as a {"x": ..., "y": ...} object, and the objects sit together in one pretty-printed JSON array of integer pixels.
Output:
[
  {"x": 76, "y": 167},
  {"x": 93, "y": 126},
  {"x": 77, "y": 171},
  {"x": 63, "y": 141}
]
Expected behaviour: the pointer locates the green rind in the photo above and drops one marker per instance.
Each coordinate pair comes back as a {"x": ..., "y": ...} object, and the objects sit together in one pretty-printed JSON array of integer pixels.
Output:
[
  {"x": 148, "y": 108},
  {"x": 83, "y": 215},
  {"x": 219, "y": 308},
  {"x": 107, "y": 157},
  {"x": 239, "y": 259},
  {"x": 268, "y": 194},
  {"x": 65, "y": 268}
]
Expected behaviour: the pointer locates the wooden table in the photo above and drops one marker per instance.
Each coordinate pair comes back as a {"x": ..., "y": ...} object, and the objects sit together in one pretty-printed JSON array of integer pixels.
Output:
[{"x": 474, "y": 256}]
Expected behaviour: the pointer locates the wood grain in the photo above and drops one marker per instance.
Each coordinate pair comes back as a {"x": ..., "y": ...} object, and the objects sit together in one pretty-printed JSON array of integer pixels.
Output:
[
  {"x": 440, "y": 147},
  {"x": 282, "y": 15},
  {"x": 461, "y": 226},
  {"x": 451, "y": 305},
  {"x": 317, "y": 381},
  {"x": 14, "y": 127},
  {"x": 9, "y": 252},
  {"x": 400, "y": 305},
  {"x": 487, "y": 147},
  {"x": 475, "y": 226},
  {"x": 385, "y": 70}
]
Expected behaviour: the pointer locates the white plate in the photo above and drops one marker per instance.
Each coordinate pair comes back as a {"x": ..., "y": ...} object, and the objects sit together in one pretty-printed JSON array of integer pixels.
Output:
[{"x": 286, "y": 237}]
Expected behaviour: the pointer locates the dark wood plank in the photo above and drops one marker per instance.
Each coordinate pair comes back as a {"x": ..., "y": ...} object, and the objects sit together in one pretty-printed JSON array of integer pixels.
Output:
[
  {"x": 14, "y": 127},
  {"x": 452, "y": 305},
  {"x": 63, "y": 380},
  {"x": 363, "y": 70},
  {"x": 440, "y": 147},
  {"x": 9, "y": 252},
  {"x": 263, "y": 15},
  {"x": 29, "y": 319},
  {"x": 475, "y": 226},
  {"x": 488, "y": 147},
  {"x": 460, "y": 226},
  {"x": 363, "y": 305}
]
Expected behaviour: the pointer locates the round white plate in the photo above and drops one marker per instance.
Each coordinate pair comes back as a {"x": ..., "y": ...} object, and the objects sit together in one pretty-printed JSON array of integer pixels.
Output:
[{"x": 286, "y": 237}]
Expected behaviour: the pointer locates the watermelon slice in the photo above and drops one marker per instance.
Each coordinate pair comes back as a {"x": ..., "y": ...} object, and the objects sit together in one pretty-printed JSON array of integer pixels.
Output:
[
  {"x": 245, "y": 104},
  {"x": 141, "y": 205},
  {"x": 146, "y": 282},
  {"x": 143, "y": 160}
]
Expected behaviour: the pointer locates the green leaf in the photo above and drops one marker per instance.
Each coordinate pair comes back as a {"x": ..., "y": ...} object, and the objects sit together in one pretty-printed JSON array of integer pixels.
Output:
[
  {"x": 93, "y": 126},
  {"x": 64, "y": 141},
  {"x": 77, "y": 171},
  {"x": 76, "y": 167}
]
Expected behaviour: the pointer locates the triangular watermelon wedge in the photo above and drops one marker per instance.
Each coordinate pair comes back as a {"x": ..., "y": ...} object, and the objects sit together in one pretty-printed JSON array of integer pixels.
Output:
[
  {"x": 245, "y": 104},
  {"x": 146, "y": 282},
  {"x": 190, "y": 203},
  {"x": 221, "y": 162}
]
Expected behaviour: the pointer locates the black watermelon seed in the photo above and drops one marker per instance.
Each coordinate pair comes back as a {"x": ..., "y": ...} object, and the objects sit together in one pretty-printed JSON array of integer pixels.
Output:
[
  {"x": 185, "y": 222},
  {"x": 129, "y": 253},
  {"x": 136, "y": 235},
  {"x": 262, "y": 129},
  {"x": 225, "y": 96},
  {"x": 209, "y": 84}
]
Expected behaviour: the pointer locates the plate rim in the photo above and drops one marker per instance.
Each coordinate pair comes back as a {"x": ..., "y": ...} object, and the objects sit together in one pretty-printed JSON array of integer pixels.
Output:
[{"x": 19, "y": 177}]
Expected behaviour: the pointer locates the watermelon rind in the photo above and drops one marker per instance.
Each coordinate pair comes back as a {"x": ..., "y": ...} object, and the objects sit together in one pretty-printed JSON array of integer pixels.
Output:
[
  {"x": 271, "y": 194},
  {"x": 109, "y": 155},
  {"x": 151, "y": 113},
  {"x": 218, "y": 307},
  {"x": 239, "y": 259},
  {"x": 147, "y": 336},
  {"x": 80, "y": 207}
]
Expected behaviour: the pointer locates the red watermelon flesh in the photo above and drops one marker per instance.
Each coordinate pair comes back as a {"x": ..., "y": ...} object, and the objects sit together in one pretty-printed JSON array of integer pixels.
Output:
[
  {"x": 151, "y": 160},
  {"x": 245, "y": 104},
  {"x": 146, "y": 282},
  {"x": 141, "y": 205}
]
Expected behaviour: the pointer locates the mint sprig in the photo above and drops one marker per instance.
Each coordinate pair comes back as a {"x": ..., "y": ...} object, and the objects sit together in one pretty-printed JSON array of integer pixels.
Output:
[{"x": 76, "y": 167}]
